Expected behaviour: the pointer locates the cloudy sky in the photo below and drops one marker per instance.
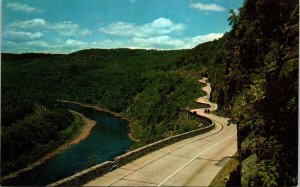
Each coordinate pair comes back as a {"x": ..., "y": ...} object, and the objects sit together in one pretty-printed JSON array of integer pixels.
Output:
[{"x": 64, "y": 26}]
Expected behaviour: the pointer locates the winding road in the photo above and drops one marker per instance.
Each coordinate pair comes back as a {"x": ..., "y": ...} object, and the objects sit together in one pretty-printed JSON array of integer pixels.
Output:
[{"x": 191, "y": 162}]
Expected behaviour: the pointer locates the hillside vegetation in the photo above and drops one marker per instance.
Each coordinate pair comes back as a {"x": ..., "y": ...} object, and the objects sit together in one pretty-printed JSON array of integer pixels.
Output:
[
  {"x": 253, "y": 70},
  {"x": 139, "y": 84},
  {"x": 254, "y": 75}
]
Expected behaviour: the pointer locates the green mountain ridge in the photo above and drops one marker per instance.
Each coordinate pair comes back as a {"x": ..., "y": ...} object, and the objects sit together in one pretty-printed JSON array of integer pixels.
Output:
[
  {"x": 138, "y": 84},
  {"x": 253, "y": 70}
]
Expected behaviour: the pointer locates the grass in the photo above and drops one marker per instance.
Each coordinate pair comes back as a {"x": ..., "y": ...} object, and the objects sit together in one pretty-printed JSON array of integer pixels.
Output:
[
  {"x": 73, "y": 130},
  {"x": 222, "y": 177},
  {"x": 198, "y": 105},
  {"x": 221, "y": 113},
  {"x": 249, "y": 169}
]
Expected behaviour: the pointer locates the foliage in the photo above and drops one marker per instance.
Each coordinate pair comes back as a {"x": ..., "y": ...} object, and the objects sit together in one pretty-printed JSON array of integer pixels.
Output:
[
  {"x": 267, "y": 94},
  {"x": 140, "y": 84},
  {"x": 29, "y": 139},
  {"x": 253, "y": 71},
  {"x": 233, "y": 18}
]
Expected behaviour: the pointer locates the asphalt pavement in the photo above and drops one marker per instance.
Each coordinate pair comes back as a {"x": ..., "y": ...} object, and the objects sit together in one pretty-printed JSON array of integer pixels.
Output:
[{"x": 191, "y": 162}]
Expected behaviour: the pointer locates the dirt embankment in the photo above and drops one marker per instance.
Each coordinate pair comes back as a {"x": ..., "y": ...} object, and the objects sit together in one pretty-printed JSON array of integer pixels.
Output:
[
  {"x": 130, "y": 134},
  {"x": 85, "y": 132}
]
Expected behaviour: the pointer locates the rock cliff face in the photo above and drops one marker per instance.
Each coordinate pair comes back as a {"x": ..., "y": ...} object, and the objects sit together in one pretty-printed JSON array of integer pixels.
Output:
[
  {"x": 259, "y": 46},
  {"x": 253, "y": 71},
  {"x": 260, "y": 86}
]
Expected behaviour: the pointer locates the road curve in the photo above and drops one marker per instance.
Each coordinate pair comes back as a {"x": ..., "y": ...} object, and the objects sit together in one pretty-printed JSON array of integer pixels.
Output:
[{"x": 191, "y": 162}]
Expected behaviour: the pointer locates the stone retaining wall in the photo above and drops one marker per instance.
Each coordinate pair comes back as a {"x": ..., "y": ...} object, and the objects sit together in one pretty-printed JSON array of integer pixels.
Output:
[
  {"x": 132, "y": 155},
  {"x": 203, "y": 105},
  {"x": 85, "y": 175},
  {"x": 96, "y": 171},
  {"x": 204, "y": 120}
]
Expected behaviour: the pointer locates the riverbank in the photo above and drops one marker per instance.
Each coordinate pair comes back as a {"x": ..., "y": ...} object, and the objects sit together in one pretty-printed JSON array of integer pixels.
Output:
[
  {"x": 130, "y": 133},
  {"x": 84, "y": 133}
]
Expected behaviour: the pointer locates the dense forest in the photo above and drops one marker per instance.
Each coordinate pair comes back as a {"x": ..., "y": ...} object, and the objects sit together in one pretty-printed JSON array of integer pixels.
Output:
[
  {"x": 254, "y": 75},
  {"x": 253, "y": 70},
  {"x": 139, "y": 84},
  {"x": 260, "y": 87}
]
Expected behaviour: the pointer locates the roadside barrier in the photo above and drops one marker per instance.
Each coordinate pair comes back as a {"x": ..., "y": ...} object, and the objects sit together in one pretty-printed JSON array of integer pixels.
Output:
[
  {"x": 98, "y": 170},
  {"x": 85, "y": 175}
]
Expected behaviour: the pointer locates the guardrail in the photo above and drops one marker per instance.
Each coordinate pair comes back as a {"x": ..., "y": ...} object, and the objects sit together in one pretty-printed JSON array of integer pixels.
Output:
[
  {"x": 85, "y": 176},
  {"x": 132, "y": 155}
]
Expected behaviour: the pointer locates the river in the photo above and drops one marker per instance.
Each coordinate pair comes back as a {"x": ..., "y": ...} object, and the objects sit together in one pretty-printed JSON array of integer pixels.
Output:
[{"x": 108, "y": 139}]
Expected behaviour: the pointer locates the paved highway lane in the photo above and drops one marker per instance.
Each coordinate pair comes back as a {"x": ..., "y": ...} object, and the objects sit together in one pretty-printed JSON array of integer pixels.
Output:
[{"x": 191, "y": 162}]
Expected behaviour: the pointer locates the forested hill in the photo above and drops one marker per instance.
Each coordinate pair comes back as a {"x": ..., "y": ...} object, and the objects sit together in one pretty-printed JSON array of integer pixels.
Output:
[
  {"x": 261, "y": 87},
  {"x": 254, "y": 74},
  {"x": 142, "y": 85},
  {"x": 253, "y": 70}
]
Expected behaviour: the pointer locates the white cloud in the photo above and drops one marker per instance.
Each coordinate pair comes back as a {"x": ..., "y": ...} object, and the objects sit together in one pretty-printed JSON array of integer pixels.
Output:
[
  {"x": 159, "y": 26},
  {"x": 75, "y": 43},
  {"x": 62, "y": 46},
  {"x": 39, "y": 44},
  {"x": 22, "y": 7},
  {"x": 34, "y": 23},
  {"x": 108, "y": 43},
  {"x": 162, "y": 23},
  {"x": 66, "y": 28},
  {"x": 71, "y": 45},
  {"x": 86, "y": 32},
  {"x": 29, "y": 46},
  {"x": 65, "y": 25},
  {"x": 21, "y": 36},
  {"x": 208, "y": 7},
  {"x": 159, "y": 41},
  {"x": 31, "y": 33},
  {"x": 166, "y": 42},
  {"x": 205, "y": 38}
]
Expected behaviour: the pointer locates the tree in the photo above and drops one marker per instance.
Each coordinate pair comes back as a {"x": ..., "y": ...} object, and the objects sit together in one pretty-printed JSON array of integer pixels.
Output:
[{"x": 233, "y": 18}]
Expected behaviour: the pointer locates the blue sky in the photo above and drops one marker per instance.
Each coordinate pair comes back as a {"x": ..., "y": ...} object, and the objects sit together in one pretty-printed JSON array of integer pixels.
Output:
[{"x": 64, "y": 26}]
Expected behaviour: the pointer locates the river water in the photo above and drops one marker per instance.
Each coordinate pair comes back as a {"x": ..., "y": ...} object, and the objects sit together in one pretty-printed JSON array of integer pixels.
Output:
[{"x": 108, "y": 139}]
